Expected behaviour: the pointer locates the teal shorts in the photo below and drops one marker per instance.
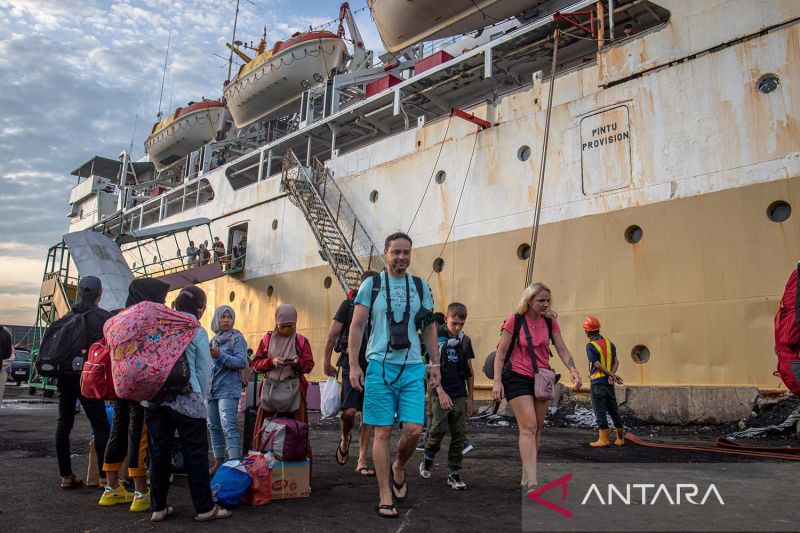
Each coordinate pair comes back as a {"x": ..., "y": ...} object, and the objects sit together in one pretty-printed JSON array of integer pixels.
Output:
[{"x": 383, "y": 399}]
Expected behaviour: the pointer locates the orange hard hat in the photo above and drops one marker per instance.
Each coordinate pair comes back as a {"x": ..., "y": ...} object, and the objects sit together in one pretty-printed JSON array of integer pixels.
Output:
[{"x": 591, "y": 324}]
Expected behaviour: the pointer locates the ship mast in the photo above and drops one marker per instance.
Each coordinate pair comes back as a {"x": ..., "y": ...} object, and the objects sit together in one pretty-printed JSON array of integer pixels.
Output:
[
  {"x": 164, "y": 76},
  {"x": 233, "y": 40}
]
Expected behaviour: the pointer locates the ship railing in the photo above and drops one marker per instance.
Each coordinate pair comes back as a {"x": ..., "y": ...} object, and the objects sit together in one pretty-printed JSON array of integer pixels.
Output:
[{"x": 229, "y": 263}]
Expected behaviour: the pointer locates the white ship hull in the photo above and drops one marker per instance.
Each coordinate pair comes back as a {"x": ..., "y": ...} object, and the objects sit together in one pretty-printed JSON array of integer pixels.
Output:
[
  {"x": 269, "y": 89},
  {"x": 188, "y": 132}
]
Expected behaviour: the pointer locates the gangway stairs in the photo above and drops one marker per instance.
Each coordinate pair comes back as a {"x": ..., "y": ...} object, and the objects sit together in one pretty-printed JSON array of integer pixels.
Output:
[{"x": 345, "y": 243}]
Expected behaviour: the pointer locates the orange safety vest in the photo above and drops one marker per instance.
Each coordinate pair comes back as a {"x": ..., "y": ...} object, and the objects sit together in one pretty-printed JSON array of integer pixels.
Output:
[{"x": 605, "y": 357}]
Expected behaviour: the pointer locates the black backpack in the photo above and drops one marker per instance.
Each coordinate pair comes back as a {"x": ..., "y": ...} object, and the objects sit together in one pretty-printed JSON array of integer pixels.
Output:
[
  {"x": 343, "y": 338},
  {"x": 60, "y": 352},
  {"x": 488, "y": 365}
]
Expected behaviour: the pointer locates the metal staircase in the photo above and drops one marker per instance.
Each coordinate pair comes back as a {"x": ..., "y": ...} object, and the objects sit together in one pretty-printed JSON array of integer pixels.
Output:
[{"x": 344, "y": 242}]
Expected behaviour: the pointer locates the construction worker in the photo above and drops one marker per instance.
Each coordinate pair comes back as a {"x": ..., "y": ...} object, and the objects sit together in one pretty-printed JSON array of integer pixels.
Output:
[{"x": 603, "y": 364}]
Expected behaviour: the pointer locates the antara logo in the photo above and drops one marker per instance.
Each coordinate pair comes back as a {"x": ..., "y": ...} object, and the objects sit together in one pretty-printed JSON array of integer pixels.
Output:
[
  {"x": 650, "y": 493},
  {"x": 630, "y": 494}
]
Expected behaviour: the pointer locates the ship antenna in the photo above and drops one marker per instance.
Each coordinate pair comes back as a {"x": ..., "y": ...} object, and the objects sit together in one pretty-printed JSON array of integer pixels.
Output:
[
  {"x": 233, "y": 40},
  {"x": 130, "y": 148},
  {"x": 164, "y": 75}
]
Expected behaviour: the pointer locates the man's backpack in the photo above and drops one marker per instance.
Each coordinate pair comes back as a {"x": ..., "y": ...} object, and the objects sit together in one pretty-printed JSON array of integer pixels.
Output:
[
  {"x": 488, "y": 365},
  {"x": 787, "y": 333},
  {"x": 96, "y": 380},
  {"x": 60, "y": 352},
  {"x": 344, "y": 336}
]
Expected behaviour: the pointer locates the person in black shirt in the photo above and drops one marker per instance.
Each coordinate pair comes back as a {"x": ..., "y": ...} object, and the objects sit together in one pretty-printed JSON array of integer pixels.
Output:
[
  {"x": 352, "y": 399},
  {"x": 89, "y": 292},
  {"x": 452, "y": 401}
]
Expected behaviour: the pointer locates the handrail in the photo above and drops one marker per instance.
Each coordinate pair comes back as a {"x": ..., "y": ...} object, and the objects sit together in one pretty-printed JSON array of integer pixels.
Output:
[{"x": 186, "y": 264}]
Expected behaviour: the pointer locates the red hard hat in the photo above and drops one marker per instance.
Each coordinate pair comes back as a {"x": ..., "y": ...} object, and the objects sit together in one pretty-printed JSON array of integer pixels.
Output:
[{"x": 591, "y": 324}]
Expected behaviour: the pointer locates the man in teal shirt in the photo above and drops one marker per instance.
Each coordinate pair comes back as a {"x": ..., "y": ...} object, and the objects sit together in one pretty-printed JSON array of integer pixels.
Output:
[{"x": 395, "y": 380}]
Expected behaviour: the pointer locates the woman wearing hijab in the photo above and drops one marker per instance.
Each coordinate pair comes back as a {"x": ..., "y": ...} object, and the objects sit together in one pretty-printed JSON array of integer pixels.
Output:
[
  {"x": 283, "y": 353},
  {"x": 229, "y": 352},
  {"x": 185, "y": 412},
  {"x": 128, "y": 431}
]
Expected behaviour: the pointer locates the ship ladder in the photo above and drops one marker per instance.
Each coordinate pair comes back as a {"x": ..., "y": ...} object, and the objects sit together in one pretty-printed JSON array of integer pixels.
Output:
[{"x": 343, "y": 241}]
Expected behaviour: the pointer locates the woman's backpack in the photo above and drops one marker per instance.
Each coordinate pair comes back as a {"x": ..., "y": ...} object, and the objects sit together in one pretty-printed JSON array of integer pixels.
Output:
[
  {"x": 146, "y": 341},
  {"x": 96, "y": 380}
]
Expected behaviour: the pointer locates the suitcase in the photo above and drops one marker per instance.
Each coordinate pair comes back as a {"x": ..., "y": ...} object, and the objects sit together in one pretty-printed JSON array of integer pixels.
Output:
[{"x": 250, "y": 413}]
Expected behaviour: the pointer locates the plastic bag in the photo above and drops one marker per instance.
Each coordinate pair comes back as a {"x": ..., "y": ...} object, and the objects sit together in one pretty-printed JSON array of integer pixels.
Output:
[
  {"x": 260, "y": 493},
  {"x": 230, "y": 483},
  {"x": 330, "y": 398}
]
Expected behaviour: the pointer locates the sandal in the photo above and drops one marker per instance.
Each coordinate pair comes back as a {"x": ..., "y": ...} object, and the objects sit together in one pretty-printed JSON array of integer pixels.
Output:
[
  {"x": 71, "y": 482},
  {"x": 160, "y": 516},
  {"x": 341, "y": 455},
  {"x": 217, "y": 513},
  {"x": 396, "y": 487},
  {"x": 365, "y": 471},
  {"x": 388, "y": 507}
]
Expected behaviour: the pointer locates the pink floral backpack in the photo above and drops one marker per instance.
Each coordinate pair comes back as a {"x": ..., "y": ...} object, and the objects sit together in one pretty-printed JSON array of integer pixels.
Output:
[{"x": 145, "y": 341}]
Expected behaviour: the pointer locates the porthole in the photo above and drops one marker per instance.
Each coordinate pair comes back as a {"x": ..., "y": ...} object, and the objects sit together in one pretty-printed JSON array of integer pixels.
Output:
[
  {"x": 779, "y": 211},
  {"x": 270, "y": 290},
  {"x": 767, "y": 83},
  {"x": 232, "y": 296},
  {"x": 275, "y": 224},
  {"x": 633, "y": 234},
  {"x": 524, "y": 251},
  {"x": 640, "y": 354},
  {"x": 172, "y": 305},
  {"x": 373, "y": 196},
  {"x": 438, "y": 264},
  {"x": 440, "y": 177},
  {"x": 524, "y": 152},
  {"x": 328, "y": 282}
]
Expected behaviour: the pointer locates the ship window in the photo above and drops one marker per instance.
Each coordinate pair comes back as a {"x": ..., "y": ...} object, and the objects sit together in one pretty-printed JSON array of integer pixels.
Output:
[
  {"x": 232, "y": 296},
  {"x": 524, "y": 152},
  {"x": 768, "y": 83},
  {"x": 640, "y": 354},
  {"x": 328, "y": 282},
  {"x": 270, "y": 291},
  {"x": 275, "y": 224},
  {"x": 245, "y": 172},
  {"x": 524, "y": 251},
  {"x": 373, "y": 196},
  {"x": 237, "y": 246},
  {"x": 440, "y": 176},
  {"x": 438, "y": 264},
  {"x": 779, "y": 211},
  {"x": 633, "y": 234}
]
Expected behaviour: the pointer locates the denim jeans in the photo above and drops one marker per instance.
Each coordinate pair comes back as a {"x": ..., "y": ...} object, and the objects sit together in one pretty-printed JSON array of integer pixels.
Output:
[{"x": 223, "y": 427}]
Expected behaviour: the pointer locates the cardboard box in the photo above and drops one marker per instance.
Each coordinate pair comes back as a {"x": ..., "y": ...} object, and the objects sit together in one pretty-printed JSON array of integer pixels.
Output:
[
  {"x": 381, "y": 85},
  {"x": 431, "y": 61},
  {"x": 291, "y": 479}
]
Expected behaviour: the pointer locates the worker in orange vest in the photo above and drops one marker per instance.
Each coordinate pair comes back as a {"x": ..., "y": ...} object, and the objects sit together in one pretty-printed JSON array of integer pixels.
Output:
[{"x": 603, "y": 364}]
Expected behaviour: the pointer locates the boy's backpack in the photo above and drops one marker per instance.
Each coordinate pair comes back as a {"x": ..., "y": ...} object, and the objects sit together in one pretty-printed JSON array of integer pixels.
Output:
[
  {"x": 230, "y": 483},
  {"x": 787, "y": 332},
  {"x": 488, "y": 365},
  {"x": 60, "y": 351},
  {"x": 286, "y": 437},
  {"x": 96, "y": 380}
]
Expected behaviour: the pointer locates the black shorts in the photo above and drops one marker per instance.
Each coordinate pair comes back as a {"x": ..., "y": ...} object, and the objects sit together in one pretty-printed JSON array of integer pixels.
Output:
[
  {"x": 516, "y": 385},
  {"x": 351, "y": 398}
]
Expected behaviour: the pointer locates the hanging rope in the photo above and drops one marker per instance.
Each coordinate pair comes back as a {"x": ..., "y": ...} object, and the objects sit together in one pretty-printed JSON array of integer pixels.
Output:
[
  {"x": 538, "y": 210},
  {"x": 458, "y": 204},
  {"x": 435, "y": 164}
]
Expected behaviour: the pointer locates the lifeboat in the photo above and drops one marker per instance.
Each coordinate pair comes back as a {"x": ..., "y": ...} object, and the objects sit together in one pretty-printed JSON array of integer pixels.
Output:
[
  {"x": 187, "y": 129},
  {"x": 404, "y": 24},
  {"x": 268, "y": 83}
]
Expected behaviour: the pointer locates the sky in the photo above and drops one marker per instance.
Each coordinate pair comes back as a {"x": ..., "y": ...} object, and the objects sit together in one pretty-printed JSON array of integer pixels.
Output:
[{"x": 83, "y": 78}]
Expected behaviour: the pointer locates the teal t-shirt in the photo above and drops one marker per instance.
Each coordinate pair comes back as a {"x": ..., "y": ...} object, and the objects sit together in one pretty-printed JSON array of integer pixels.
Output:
[{"x": 378, "y": 345}]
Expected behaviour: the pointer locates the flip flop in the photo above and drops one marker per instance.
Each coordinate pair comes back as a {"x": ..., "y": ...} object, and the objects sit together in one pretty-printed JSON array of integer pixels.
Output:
[
  {"x": 218, "y": 513},
  {"x": 343, "y": 454},
  {"x": 157, "y": 516},
  {"x": 365, "y": 471},
  {"x": 389, "y": 507},
  {"x": 398, "y": 487}
]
